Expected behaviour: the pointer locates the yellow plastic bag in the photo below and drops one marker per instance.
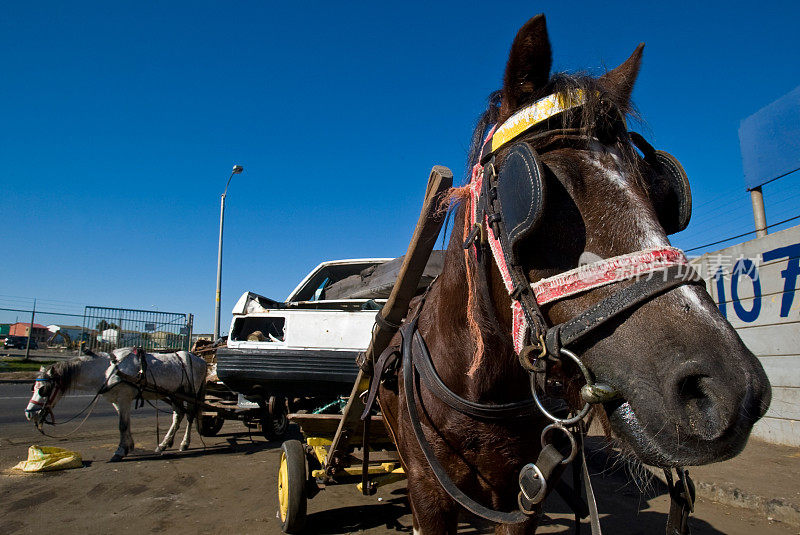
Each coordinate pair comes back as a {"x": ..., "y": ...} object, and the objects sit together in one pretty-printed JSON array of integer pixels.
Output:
[{"x": 46, "y": 458}]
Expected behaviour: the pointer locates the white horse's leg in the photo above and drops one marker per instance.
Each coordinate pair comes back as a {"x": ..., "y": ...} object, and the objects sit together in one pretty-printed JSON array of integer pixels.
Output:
[
  {"x": 188, "y": 435},
  {"x": 125, "y": 438},
  {"x": 177, "y": 416}
]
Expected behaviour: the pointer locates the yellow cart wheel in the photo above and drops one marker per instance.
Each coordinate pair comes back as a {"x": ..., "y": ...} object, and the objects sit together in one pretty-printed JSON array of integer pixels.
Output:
[{"x": 292, "y": 481}]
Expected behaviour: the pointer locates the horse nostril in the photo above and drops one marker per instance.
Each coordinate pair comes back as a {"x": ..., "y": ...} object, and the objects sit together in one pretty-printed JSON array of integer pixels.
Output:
[
  {"x": 692, "y": 393},
  {"x": 701, "y": 406}
]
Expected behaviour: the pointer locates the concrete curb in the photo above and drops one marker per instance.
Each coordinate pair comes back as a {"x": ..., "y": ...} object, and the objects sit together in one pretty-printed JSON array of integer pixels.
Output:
[
  {"x": 771, "y": 508},
  {"x": 776, "y": 508}
]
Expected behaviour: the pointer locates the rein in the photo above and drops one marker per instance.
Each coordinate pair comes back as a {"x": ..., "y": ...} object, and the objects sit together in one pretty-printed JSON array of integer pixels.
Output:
[{"x": 47, "y": 410}]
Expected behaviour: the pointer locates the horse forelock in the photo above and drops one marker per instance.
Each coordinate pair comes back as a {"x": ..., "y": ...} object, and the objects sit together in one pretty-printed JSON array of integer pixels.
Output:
[{"x": 601, "y": 99}]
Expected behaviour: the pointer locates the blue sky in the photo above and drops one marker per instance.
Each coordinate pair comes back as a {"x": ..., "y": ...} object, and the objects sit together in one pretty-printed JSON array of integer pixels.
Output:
[{"x": 121, "y": 121}]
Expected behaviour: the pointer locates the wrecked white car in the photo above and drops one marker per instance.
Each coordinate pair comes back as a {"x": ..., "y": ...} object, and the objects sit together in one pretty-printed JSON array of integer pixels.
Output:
[{"x": 306, "y": 346}]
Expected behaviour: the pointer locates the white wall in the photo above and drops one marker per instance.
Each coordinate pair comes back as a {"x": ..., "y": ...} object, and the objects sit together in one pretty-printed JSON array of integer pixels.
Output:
[{"x": 763, "y": 304}]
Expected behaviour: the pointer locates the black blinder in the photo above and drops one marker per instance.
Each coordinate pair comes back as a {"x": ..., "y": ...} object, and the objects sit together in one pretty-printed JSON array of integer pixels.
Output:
[
  {"x": 520, "y": 193},
  {"x": 45, "y": 389},
  {"x": 669, "y": 186}
]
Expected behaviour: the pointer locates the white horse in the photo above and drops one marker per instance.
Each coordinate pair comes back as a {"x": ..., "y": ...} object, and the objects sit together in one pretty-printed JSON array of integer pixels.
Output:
[{"x": 121, "y": 377}]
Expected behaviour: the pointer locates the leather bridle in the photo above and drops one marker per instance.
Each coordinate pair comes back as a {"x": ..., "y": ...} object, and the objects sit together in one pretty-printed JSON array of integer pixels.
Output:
[
  {"x": 537, "y": 343},
  {"x": 46, "y": 406},
  {"x": 487, "y": 231}
]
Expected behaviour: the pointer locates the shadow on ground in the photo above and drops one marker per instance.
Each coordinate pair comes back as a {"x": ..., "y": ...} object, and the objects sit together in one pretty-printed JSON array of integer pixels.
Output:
[
  {"x": 360, "y": 517},
  {"x": 243, "y": 443}
]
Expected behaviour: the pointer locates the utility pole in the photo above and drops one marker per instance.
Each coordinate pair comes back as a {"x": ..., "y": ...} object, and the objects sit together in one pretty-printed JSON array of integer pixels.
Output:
[{"x": 759, "y": 213}]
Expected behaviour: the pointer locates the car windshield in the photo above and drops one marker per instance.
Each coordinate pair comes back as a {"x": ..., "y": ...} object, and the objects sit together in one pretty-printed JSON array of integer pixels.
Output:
[{"x": 314, "y": 287}]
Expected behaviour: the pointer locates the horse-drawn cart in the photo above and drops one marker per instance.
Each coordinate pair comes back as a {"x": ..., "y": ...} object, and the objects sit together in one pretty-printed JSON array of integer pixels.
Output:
[
  {"x": 266, "y": 413},
  {"x": 351, "y": 447},
  {"x": 221, "y": 403},
  {"x": 299, "y": 355},
  {"x": 368, "y": 460}
]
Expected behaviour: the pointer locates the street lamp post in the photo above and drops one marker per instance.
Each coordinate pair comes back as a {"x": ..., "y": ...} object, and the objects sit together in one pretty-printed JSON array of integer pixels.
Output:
[{"x": 236, "y": 170}]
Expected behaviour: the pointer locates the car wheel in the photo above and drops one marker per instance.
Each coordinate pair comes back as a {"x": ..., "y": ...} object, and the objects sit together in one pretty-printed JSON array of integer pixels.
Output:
[
  {"x": 274, "y": 421},
  {"x": 211, "y": 425}
]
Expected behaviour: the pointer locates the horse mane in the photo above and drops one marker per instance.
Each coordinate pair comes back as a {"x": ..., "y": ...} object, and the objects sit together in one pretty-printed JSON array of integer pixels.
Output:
[{"x": 65, "y": 371}]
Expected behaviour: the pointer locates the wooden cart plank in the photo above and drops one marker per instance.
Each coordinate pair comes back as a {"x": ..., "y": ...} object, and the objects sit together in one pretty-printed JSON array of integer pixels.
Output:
[{"x": 325, "y": 425}]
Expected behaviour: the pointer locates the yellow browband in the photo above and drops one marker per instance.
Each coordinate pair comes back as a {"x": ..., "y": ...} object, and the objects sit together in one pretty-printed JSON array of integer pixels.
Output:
[{"x": 539, "y": 111}]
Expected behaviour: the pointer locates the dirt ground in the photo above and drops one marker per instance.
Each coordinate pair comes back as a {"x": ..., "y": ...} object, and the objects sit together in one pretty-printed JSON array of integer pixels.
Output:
[{"x": 229, "y": 485}]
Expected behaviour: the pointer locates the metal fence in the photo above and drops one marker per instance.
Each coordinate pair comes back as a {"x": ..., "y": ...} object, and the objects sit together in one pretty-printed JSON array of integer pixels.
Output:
[
  {"x": 53, "y": 331},
  {"x": 106, "y": 328}
]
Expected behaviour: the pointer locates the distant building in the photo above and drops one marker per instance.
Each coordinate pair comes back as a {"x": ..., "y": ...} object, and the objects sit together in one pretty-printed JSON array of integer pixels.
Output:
[
  {"x": 5, "y": 329},
  {"x": 40, "y": 332},
  {"x": 124, "y": 338}
]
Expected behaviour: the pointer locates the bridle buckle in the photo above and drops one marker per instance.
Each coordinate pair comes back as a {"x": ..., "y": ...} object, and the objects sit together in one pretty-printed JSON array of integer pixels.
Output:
[{"x": 531, "y": 358}]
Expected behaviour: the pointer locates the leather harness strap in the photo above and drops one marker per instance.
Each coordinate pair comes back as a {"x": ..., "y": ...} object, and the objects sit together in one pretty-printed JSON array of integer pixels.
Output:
[
  {"x": 424, "y": 365},
  {"x": 550, "y": 460},
  {"x": 594, "y": 515},
  {"x": 620, "y": 301},
  {"x": 447, "y": 484},
  {"x": 389, "y": 356},
  {"x": 682, "y": 495}
]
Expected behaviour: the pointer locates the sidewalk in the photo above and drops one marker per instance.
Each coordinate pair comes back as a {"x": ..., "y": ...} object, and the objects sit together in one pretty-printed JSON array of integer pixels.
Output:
[
  {"x": 17, "y": 377},
  {"x": 764, "y": 477}
]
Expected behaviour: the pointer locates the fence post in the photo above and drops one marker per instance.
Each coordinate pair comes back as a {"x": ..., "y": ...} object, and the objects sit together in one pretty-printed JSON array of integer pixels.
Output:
[
  {"x": 30, "y": 333},
  {"x": 189, "y": 329}
]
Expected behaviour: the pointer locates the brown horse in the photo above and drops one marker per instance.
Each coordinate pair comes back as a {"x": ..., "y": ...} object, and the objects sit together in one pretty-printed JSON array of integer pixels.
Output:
[{"x": 689, "y": 391}]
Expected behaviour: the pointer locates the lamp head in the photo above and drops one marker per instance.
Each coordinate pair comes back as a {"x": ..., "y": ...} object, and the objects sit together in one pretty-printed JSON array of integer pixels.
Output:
[{"x": 237, "y": 169}]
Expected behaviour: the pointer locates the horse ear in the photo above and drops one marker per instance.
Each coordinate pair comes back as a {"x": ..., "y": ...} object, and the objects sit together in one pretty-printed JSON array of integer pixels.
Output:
[
  {"x": 41, "y": 368},
  {"x": 528, "y": 67},
  {"x": 622, "y": 79}
]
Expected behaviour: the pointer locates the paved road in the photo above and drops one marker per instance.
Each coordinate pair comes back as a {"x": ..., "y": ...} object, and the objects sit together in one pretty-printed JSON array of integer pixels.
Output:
[{"x": 226, "y": 484}]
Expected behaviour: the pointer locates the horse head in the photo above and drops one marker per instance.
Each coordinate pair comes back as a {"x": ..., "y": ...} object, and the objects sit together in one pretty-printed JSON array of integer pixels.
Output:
[
  {"x": 47, "y": 390},
  {"x": 578, "y": 185}
]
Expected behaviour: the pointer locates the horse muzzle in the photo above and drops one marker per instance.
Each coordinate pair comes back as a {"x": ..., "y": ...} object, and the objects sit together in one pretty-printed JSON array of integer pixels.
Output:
[{"x": 37, "y": 415}]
